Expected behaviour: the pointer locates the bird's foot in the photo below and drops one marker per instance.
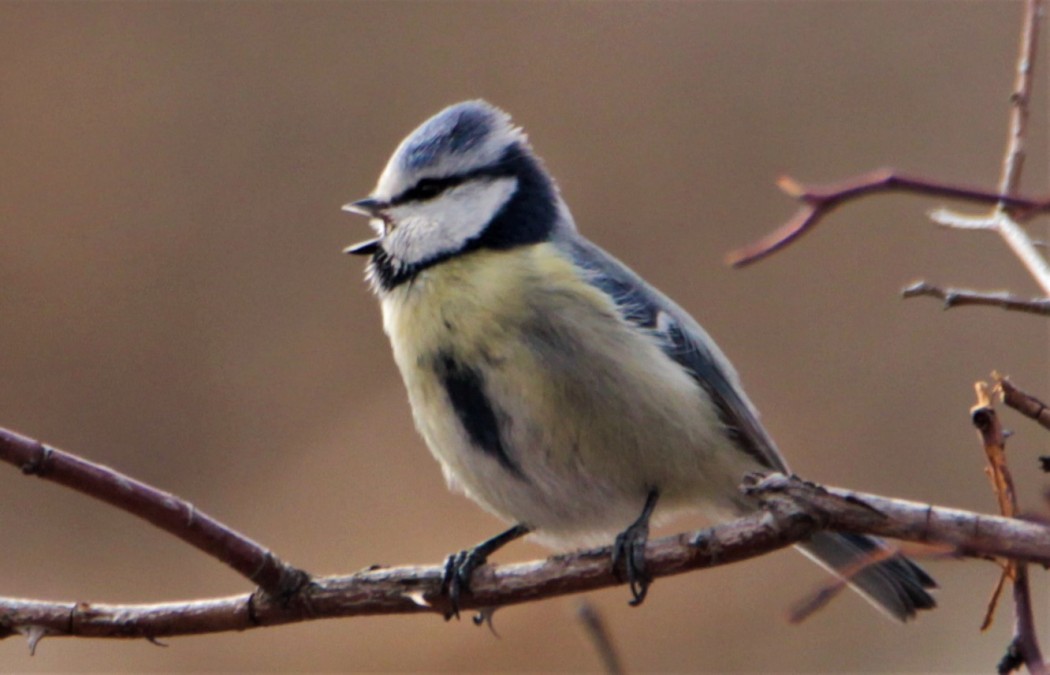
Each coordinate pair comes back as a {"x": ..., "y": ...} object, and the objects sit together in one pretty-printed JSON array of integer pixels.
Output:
[
  {"x": 459, "y": 567},
  {"x": 628, "y": 560},
  {"x": 628, "y": 557}
]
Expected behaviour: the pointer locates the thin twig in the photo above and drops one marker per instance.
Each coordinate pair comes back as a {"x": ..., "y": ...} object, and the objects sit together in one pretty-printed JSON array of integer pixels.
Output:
[
  {"x": 794, "y": 510},
  {"x": 808, "y": 605},
  {"x": 959, "y": 297},
  {"x": 1025, "y": 642},
  {"x": 1024, "y": 629},
  {"x": 820, "y": 200},
  {"x": 1013, "y": 162},
  {"x": 1022, "y": 402},
  {"x": 598, "y": 635},
  {"x": 166, "y": 511},
  {"x": 993, "y": 600}
]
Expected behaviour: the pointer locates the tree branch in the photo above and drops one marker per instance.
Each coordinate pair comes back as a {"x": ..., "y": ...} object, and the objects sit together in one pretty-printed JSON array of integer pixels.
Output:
[
  {"x": 1024, "y": 648},
  {"x": 166, "y": 511},
  {"x": 1024, "y": 403},
  {"x": 819, "y": 201},
  {"x": 958, "y": 297},
  {"x": 794, "y": 509}
]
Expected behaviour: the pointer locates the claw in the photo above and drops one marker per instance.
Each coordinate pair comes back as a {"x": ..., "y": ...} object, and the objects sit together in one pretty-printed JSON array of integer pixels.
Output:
[
  {"x": 459, "y": 567},
  {"x": 629, "y": 553}
]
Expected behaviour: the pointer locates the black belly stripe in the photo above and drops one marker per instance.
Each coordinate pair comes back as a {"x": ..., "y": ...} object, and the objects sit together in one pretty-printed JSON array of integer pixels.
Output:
[{"x": 466, "y": 391}]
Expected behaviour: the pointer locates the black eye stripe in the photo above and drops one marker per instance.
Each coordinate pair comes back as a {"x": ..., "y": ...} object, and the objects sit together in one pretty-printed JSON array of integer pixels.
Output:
[{"x": 428, "y": 188}]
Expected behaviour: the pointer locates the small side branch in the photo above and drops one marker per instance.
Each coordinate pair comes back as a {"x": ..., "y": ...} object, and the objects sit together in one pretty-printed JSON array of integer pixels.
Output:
[
  {"x": 159, "y": 508},
  {"x": 819, "y": 201},
  {"x": 1024, "y": 648},
  {"x": 1024, "y": 403},
  {"x": 959, "y": 297}
]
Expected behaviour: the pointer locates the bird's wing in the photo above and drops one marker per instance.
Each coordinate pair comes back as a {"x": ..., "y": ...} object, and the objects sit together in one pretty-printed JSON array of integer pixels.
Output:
[{"x": 684, "y": 341}]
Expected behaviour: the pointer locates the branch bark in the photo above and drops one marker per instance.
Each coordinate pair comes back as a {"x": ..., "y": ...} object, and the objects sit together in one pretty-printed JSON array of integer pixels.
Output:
[
  {"x": 959, "y": 297},
  {"x": 166, "y": 511},
  {"x": 820, "y": 200},
  {"x": 1025, "y": 644},
  {"x": 793, "y": 510},
  {"x": 1023, "y": 402}
]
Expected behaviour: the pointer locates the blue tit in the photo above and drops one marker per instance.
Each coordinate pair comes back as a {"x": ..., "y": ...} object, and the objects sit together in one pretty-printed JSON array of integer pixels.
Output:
[{"x": 556, "y": 388}]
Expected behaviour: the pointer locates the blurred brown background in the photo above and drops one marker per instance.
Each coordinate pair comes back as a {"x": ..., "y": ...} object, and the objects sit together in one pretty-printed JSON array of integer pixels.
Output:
[{"x": 173, "y": 301}]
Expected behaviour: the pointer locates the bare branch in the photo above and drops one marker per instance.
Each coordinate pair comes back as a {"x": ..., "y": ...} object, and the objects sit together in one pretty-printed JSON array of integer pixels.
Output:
[
  {"x": 820, "y": 200},
  {"x": 958, "y": 297},
  {"x": 1014, "y": 235},
  {"x": 954, "y": 220},
  {"x": 159, "y": 508},
  {"x": 794, "y": 510},
  {"x": 1024, "y": 403},
  {"x": 1013, "y": 161},
  {"x": 1025, "y": 640},
  {"x": 1025, "y": 644},
  {"x": 832, "y": 587}
]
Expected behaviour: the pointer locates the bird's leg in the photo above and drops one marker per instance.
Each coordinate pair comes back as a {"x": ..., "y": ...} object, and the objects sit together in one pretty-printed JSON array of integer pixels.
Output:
[
  {"x": 629, "y": 551},
  {"x": 460, "y": 566}
]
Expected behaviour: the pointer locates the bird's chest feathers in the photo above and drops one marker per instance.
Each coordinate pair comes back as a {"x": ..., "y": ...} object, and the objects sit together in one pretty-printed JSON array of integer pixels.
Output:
[
  {"x": 474, "y": 307},
  {"x": 514, "y": 353},
  {"x": 527, "y": 384},
  {"x": 463, "y": 334}
]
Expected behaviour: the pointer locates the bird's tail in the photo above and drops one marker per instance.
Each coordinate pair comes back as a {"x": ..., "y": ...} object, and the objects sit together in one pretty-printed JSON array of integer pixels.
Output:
[{"x": 893, "y": 583}]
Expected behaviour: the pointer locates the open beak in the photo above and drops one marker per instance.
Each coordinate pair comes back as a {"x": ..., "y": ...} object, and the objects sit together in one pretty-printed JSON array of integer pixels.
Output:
[
  {"x": 363, "y": 247},
  {"x": 371, "y": 208}
]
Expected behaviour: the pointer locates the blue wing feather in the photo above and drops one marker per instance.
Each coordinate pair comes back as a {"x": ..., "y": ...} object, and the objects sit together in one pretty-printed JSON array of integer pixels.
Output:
[
  {"x": 895, "y": 584},
  {"x": 683, "y": 341}
]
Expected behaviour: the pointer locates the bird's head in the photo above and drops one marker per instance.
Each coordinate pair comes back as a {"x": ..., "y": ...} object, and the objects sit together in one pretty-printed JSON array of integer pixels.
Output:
[{"x": 465, "y": 179}]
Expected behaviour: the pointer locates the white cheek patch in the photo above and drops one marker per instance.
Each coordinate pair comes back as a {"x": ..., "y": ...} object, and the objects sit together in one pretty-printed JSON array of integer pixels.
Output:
[{"x": 425, "y": 230}]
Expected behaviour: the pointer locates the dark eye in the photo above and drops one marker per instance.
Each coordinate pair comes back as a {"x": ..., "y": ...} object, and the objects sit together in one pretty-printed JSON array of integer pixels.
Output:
[{"x": 427, "y": 188}]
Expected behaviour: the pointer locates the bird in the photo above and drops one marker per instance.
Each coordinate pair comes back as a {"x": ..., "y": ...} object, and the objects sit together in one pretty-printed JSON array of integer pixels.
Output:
[{"x": 555, "y": 387}]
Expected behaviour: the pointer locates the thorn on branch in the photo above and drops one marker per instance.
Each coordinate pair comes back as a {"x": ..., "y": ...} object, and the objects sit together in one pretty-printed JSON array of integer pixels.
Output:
[{"x": 34, "y": 634}]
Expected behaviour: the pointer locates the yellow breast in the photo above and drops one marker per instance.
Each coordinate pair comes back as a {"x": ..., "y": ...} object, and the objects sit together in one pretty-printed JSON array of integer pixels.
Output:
[{"x": 583, "y": 397}]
